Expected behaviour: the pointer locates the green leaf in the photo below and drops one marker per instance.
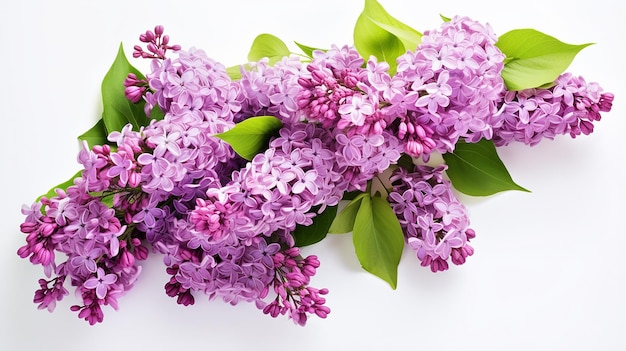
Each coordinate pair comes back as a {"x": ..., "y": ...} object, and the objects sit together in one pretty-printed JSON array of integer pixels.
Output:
[
  {"x": 96, "y": 135},
  {"x": 270, "y": 46},
  {"x": 372, "y": 40},
  {"x": 534, "y": 58},
  {"x": 444, "y": 18},
  {"x": 234, "y": 72},
  {"x": 156, "y": 113},
  {"x": 52, "y": 192},
  {"x": 378, "y": 239},
  {"x": 476, "y": 169},
  {"x": 379, "y": 34},
  {"x": 409, "y": 37},
  {"x": 344, "y": 222},
  {"x": 251, "y": 136},
  {"x": 307, "y": 50},
  {"x": 117, "y": 109},
  {"x": 311, "y": 234},
  {"x": 406, "y": 162}
]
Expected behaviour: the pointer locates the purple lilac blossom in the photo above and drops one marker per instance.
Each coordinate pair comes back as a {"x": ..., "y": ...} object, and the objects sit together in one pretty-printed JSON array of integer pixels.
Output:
[
  {"x": 434, "y": 221},
  {"x": 271, "y": 90},
  {"x": 448, "y": 88},
  {"x": 337, "y": 93},
  {"x": 223, "y": 224},
  {"x": 571, "y": 107}
]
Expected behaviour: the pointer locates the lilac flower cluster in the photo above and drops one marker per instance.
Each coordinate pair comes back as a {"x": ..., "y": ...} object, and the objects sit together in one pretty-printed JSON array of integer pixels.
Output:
[
  {"x": 451, "y": 86},
  {"x": 434, "y": 222},
  {"x": 101, "y": 254},
  {"x": 271, "y": 90},
  {"x": 224, "y": 225},
  {"x": 569, "y": 107}
]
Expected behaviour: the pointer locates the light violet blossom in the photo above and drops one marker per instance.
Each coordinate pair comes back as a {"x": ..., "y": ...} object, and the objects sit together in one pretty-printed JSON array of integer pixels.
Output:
[{"x": 226, "y": 226}]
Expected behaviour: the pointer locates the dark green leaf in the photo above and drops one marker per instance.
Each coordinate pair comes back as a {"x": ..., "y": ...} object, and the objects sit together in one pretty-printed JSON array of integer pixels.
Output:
[
  {"x": 251, "y": 136},
  {"x": 156, "y": 113},
  {"x": 270, "y": 46},
  {"x": 117, "y": 109},
  {"x": 406, "y": 162},
  {"x": 307, "y": 235},
  {"x": 534, "y": 58},
  {"x": 476, "y": 169},
  {"x": 97, "y": 135},
  {"x": 52, "y": 192},
  {"x": 378, "y": 239},
  {"x": 344, "y": 222},
  {"x": 351, "y": 195}
]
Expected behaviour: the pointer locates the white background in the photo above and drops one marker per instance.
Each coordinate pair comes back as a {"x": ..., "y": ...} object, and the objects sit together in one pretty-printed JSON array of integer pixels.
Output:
[{"x": 549, "y": 268}]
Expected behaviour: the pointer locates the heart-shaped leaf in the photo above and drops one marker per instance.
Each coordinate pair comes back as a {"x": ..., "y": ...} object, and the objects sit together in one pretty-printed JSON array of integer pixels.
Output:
[
  {"x": 344, "y": 221},
  {"x": 311, "y": 234},
  {"x": 476, "y": 169},
  {"x": 117, "y": 110},
  {"x": 378, "y": 239},
  {"x": 251, "y": 136},
  {"x": 379, "y": 34},
  {"x": 533, "y": 58},
  {"x": 268, "y": 45},
  {"x": 96, "y": 135}
]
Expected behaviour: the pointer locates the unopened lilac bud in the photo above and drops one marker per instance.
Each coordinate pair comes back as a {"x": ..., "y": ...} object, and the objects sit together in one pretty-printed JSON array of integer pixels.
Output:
[
  {"x": 153, "y": 48},
  {"x": 149, "y": 36},
  {"x": 141, "y": 252},
  {"x": 127, "y": 259},
  {"x": 322, "y": 311}
]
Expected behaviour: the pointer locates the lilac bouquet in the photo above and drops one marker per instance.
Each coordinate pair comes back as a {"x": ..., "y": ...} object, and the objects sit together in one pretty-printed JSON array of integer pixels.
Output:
[{"x": 227, "y": 171}]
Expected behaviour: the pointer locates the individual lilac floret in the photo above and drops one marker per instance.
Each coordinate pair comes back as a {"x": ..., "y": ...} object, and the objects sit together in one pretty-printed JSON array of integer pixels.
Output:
[
  {"x": 571, "y": 107},
  {"x": 448, "y": 88},
  {"x": 434, "y": 222}
]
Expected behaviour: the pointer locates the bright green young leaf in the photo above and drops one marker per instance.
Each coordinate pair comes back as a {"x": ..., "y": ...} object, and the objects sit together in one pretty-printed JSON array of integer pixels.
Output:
[
  {"x": 307, "y": 50},
  {"x": 534, "y": 58},
  {"x": 378, "y": 239},
  {"x": 476, "y": 169},
  {"x": 344, "y": 222},
  {"x": 409, "y": 37},
  {"x": 251, "y": 136},
  {"x": 270, "y": 46},
  {"x": 308, "y": 235},
  {"x": 117, "y": 109},
  {"x": 234, "y": 72},
  {"x": 372, "y": 40},
  {"x": 96, "y": 135},
  {"x": 52, "y": 192}
]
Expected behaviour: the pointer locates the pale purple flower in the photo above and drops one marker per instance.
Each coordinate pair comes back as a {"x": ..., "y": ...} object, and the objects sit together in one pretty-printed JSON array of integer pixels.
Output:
[
  {"x": 100, "y": 283},
  {"x": 355, "y": 111}
]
